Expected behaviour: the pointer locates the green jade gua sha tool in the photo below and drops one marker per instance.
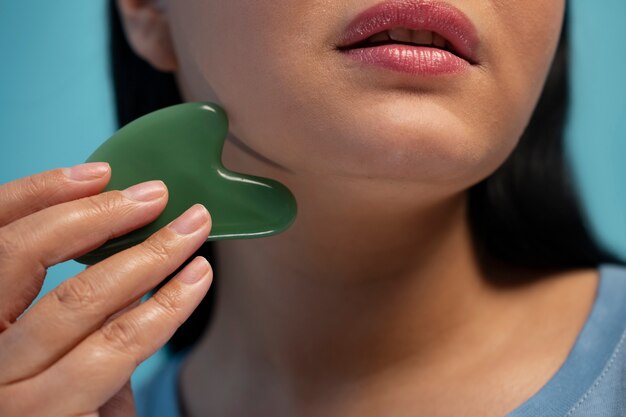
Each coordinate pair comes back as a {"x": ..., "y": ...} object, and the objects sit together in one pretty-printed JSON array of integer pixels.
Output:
[{"x": 182, "y": 146}]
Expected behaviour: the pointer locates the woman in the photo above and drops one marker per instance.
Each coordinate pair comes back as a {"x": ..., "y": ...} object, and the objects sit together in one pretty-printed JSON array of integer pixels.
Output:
[{"x": 439, "y": 264}]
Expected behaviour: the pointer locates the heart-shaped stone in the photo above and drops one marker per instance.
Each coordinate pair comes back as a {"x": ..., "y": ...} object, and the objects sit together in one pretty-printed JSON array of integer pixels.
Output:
[{"x": 182, "y": 146}]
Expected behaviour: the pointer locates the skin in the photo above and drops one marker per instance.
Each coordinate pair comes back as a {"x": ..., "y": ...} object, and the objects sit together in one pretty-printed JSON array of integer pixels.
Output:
[
  {"x": 346, "y": 313},
  {"x": 91, "y": 330}
]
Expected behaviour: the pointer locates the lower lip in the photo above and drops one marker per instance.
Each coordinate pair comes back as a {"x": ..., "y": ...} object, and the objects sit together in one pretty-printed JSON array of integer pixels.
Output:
[{"x": 414, "y": 60}]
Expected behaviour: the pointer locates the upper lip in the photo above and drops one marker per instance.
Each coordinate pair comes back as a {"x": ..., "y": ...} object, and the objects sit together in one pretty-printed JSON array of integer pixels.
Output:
[{"x": 434, "y": 16}]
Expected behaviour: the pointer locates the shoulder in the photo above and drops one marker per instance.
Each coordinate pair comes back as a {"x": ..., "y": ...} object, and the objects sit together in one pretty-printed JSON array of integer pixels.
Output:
[
  {"x": 606, "y": 395},
  {"x": 592, "y": 380}
]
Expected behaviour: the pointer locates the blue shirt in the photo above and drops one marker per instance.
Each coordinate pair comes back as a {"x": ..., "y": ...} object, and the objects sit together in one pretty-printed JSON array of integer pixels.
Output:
[{"x": 591, "y": 382}]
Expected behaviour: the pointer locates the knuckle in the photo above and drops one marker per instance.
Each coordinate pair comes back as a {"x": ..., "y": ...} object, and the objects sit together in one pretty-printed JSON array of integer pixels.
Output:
[
  {"x": 121, "y": 335},
  {"x": 106, "y": 204},
  {"x": 42, "y": 188},
  {"x": 170, "y": 303},
  {"x": 157, "y": 248},
  {"x": 77, "y": 294},
  {"x": 35, "y": 185},
  {"x": 16, "y": 253},
  {"x": 96, "y": 205}
]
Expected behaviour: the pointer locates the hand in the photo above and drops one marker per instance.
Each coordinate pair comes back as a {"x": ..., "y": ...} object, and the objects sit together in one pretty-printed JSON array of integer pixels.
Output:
[{"x": 73, "y": 352}]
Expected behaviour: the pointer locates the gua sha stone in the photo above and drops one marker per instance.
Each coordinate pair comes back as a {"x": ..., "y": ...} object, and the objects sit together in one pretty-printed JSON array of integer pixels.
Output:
[{"x": 182, "y": 146}]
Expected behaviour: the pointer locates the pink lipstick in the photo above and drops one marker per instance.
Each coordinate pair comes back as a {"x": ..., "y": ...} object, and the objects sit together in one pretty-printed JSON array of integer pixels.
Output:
[{"x": 418, "y": 37}]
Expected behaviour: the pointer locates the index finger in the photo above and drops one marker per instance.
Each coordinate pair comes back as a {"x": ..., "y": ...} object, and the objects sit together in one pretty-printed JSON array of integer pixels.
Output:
[{"x": 27, "y": 195}]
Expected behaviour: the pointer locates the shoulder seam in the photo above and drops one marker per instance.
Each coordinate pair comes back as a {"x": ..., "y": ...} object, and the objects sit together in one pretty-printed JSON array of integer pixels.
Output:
[{"x": 601, "y": 376}]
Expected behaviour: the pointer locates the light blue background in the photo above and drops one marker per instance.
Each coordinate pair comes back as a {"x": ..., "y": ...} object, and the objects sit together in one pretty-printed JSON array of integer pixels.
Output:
[{"x": 56, "y": 104}]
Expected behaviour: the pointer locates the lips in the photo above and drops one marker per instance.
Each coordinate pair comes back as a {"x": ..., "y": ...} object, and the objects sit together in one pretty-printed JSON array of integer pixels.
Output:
[{"x": 426, "y": 24}]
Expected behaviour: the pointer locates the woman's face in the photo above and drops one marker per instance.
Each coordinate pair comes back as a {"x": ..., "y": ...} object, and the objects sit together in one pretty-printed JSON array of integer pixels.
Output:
[{"x": 294, "y": 98}]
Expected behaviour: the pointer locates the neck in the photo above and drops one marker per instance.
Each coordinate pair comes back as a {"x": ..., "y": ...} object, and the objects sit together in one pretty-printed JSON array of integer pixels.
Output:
[{"x": 356, "y": 289}]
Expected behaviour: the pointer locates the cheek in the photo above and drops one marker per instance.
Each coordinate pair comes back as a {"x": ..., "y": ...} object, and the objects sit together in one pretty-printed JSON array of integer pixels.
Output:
[
  {"x": 525, "y": 37},
  {"x": 237, "y": 53}
]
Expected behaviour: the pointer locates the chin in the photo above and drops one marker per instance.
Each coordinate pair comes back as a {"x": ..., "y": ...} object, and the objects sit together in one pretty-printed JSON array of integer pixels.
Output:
[{"x": 408, "y": 141}]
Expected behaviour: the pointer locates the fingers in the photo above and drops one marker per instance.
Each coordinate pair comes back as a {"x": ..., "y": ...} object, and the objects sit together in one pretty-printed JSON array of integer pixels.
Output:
[
  {"x": 28, "y": 246},
  {"x": 79, "y": 306},
  {"x": 98, "y": 367},
  {"x": 27, "y": 195}
]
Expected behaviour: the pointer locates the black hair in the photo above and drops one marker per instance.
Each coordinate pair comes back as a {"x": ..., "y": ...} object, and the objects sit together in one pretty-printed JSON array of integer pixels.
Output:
[{"x": 527, "y": 213}]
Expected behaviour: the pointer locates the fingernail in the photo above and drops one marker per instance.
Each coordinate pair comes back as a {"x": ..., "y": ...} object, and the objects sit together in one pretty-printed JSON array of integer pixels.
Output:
[
  {"x": 195, "y": 271},
  {"x": 145, "y": 191},
  {"x": 87, "y": 172},
  {"x": 191, "y": 220}
]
